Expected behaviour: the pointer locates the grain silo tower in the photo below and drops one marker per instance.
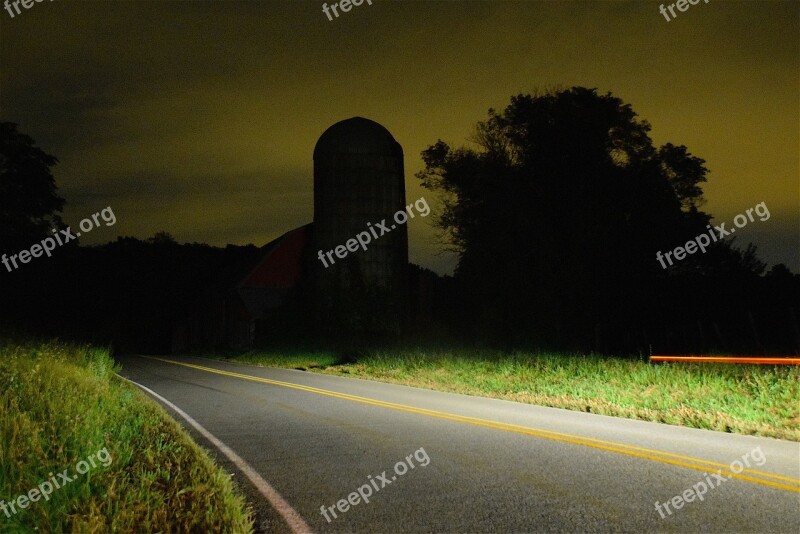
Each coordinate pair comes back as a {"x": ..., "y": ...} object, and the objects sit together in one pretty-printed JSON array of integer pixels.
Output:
[{"x": 359, "y": 181}]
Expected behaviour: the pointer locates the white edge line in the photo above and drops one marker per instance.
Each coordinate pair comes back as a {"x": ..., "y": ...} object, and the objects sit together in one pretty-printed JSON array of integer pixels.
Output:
[{"x": 289, "y": 514}]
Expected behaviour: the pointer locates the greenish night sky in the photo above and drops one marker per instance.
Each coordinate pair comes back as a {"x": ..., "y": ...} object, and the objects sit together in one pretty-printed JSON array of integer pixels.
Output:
[{"x": 200, "y": 118}]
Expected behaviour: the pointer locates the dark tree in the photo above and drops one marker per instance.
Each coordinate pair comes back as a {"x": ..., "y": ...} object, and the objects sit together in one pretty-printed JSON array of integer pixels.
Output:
[
  {"x": 29, "y": 203},
  {"x": 685, "y": 173},
  {"x": 559, "y": 210},
  {"x": 162, "y": 238},
  {"x": 781, "y": 271}
]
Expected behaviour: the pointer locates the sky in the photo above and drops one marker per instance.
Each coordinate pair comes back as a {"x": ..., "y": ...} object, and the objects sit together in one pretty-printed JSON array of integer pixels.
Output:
[{"x": 199, "y": 118}]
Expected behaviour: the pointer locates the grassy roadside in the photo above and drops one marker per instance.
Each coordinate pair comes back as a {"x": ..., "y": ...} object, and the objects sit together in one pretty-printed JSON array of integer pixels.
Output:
[
  {"x": 59, "y": 405},
  {"x": 745, "y": 399}
]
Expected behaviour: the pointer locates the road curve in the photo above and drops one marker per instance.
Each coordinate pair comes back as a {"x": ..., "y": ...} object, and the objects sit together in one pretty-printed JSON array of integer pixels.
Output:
[{"x": 438, "y": 462}]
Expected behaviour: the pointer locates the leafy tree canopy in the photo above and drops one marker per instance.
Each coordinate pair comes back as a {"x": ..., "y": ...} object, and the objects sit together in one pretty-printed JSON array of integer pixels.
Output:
[
  {"x": 29, "y": 203},
  {"x": 563, "y": 200}
]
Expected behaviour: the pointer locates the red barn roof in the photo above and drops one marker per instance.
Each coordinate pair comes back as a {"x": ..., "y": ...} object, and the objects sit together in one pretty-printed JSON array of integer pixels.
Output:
[
  {"x": 270, "y": 281},
  {"x": 280, "y": 267}
]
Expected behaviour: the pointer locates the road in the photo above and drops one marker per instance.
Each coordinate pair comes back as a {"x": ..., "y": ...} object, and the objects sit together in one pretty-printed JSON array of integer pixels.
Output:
[{"x": 479, "y": 465}]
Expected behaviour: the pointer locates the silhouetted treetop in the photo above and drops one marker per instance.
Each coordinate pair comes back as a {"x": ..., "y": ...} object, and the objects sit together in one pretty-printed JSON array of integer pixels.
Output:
[
  {"x": 29, "y": 203},
  {"x": 561, "y": 204}
]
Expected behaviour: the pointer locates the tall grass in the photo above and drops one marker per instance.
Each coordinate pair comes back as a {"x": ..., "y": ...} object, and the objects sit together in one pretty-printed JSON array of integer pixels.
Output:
[
  {"x": 61, "y": 403},
  {"x": 747, "y": 399}
]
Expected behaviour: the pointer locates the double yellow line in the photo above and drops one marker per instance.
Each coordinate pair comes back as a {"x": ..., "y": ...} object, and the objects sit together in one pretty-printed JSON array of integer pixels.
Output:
[{"x": 749, "y": 475}]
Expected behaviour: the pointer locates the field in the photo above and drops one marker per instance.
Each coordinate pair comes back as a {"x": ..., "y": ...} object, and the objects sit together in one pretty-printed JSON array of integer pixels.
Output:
[
  {"x": 60, "y": 405},
  {"x": 746, "y": 399}
]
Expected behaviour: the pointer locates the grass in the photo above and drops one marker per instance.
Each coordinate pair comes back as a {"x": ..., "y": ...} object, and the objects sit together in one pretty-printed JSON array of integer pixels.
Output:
[
  {"x": 61, "y": 404},
  {"x": 746, "y": 399}
]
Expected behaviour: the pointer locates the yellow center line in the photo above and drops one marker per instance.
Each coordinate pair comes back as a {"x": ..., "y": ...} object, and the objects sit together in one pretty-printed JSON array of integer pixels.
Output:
[{"x": 621, "y": 448}]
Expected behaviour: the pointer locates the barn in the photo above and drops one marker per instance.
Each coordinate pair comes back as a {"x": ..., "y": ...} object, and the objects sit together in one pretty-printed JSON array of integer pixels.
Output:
[{"x": 358, "y": 179}]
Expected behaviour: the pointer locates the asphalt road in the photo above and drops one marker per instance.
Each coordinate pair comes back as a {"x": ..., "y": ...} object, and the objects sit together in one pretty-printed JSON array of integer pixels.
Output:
[{"x": 479, "y": 465}]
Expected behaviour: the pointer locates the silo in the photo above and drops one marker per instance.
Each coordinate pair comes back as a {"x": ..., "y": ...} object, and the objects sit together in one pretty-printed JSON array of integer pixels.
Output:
[{"x": 358, "y": 182}]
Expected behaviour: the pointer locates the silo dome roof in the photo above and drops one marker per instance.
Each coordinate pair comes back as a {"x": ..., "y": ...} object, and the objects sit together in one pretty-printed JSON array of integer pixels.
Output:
[{"x": 357, "y": 136}]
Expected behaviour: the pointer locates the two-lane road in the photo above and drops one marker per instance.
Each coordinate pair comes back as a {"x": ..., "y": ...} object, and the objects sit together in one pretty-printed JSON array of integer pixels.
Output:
[{"x": 468, "y": 464}]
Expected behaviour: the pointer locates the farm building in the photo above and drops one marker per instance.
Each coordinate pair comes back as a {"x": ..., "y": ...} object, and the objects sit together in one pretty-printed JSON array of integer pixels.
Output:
[{"x": 358, "y": 180}]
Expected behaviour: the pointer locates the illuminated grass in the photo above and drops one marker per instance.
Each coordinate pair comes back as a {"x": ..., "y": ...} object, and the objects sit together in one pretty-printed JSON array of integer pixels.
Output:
[
  {"x": 746, "y": 399},
  {"x": 60, "y": 404}
]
